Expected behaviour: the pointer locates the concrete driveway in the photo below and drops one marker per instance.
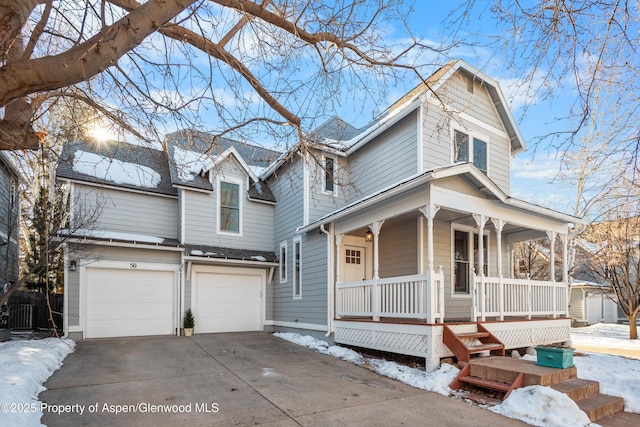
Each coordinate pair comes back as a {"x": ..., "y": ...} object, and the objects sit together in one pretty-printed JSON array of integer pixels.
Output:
[{"x": 236, "y": 379}]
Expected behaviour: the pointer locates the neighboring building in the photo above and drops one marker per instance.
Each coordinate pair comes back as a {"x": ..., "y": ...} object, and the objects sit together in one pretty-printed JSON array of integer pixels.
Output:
[
  {"x": 370, "y": 239},
  {"x": 9, "y": 221},
  {"x": 591, "y": 303}
]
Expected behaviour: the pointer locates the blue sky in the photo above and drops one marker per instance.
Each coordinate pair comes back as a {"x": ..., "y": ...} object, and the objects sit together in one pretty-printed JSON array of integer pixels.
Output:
[
  {"x": 479, "y": 45},
  {"x": 533, "y": 171}
]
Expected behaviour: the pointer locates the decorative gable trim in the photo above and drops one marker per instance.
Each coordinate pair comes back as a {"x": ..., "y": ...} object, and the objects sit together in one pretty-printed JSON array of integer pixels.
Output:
[{"x": 217, "y": 160}]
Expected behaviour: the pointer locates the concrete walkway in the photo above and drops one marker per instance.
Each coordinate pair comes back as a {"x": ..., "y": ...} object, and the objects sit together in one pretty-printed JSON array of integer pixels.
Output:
[{"x": 236, "y": 379}]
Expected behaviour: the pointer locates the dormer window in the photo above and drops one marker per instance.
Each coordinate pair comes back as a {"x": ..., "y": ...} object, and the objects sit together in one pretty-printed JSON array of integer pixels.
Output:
[
  {"x": 466, "y": 148},
  {"x": 229, "y": 207}
]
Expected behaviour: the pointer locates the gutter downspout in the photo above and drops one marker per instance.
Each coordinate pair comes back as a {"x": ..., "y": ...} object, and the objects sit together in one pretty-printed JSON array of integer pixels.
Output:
[{"x": 330, "y": 283}]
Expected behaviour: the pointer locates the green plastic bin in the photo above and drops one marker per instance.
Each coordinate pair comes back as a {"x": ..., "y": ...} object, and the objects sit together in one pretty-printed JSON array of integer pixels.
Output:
[{"x": 554, "y": 357}]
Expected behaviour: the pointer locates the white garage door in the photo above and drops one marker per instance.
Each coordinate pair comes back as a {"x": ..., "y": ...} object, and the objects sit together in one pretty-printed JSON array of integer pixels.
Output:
[
  {"x": 121, "y": 303},
  {"x": 227, "y": 302}
]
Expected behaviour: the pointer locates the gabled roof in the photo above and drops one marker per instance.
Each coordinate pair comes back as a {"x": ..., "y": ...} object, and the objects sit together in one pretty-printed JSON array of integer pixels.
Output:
[
  {"x": 191, "y": 154},
  {"x": 117, "y": 164},
  {"x": 338, "y": 133},
  {"x": 467, "y": 170}
]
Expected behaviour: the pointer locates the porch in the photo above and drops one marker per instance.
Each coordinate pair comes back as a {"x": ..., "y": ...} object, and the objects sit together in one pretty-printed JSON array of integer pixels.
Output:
[
  {"x": 406, "y": 315},
  {"x": 435, "y": 250}
]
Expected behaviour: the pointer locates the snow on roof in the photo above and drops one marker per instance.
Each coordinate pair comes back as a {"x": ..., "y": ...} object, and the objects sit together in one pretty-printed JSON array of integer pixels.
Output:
[
  {"x": 114, "y": 170},
  {"x": 188, "y": 163},
  {"x": 113, "y": 235}
]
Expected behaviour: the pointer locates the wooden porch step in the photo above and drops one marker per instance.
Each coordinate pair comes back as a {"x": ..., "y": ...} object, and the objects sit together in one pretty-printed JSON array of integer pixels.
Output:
[
  {"x": 470, "y": 335},
  {"x": 474, "y": 349},
  {"x": 466, "y": 378},
  {"x": 482, "y": 383},
  {"x": 578, "y": 389},
  {"x": 465, "y": 343},
  {"x": 601, "y": 406}
]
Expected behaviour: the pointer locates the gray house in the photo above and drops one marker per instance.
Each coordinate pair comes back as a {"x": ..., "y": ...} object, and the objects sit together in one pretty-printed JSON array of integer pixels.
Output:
[
  {"x": 395, "y": 236},
  {"x": 9, "y": 221}
]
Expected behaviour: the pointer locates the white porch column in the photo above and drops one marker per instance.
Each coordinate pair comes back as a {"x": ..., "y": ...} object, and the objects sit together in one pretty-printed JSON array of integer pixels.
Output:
[
  {"x": 565, "y": 258},
  {"x": 338, "y": 240},
  {"x": 481, "y": 220},
  {"x": 552, "y": 254},
  {"x": 375, "y": 229},
  {"x": 430, "y": 211},
  {"x": 499, "y": 225},
  {"x": 565, "y": 270},
  {"x": 552, "y": 270}
]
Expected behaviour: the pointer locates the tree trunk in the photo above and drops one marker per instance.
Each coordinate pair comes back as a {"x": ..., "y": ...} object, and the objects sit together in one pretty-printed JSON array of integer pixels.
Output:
[{"x": 633, "y": 326}]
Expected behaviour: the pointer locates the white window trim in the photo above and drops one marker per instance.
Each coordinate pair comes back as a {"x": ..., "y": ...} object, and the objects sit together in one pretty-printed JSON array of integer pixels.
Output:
[
  {"x": 324, "y": 175},
  {"x": 283, "y": 245},
  {"x": 473, "y": 135},
  {"x": 294, "y": 280},
  {"x": 240, "y": 184},
  {"x": 468, "y": 229}
]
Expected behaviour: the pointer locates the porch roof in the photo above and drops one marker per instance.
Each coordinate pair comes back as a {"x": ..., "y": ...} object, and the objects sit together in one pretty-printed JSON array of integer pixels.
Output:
[{"x": 483, "y": 183}]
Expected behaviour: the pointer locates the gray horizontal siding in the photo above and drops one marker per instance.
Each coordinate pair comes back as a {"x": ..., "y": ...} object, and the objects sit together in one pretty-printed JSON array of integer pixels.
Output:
[
  {"x": 312, "y": 307},
  {"x": 437, "y": 137},
  {"x": 287, "y": 187},
  {"x": 201, "y": 211},
  {"x": 9, "y": 227},
  {"x": 399, "y": 248},
  {"x": 388, "y": 159},
  {"x": 320, "y": 201},
  {"x": 124, "y": 211}
]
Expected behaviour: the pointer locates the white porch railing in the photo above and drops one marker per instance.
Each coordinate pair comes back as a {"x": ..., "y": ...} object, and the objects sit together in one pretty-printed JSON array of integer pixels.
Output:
[
  {"x": 500, "y": 297},
  {"x": 418, "y": 296}
]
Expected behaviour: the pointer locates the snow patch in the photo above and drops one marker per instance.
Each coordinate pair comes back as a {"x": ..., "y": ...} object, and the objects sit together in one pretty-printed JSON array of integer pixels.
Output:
[
  {"x": 542, "y": 406},
  {"x": 115, "y": 170},
  {"x": 258, "y": 258},
  {"x": 188, "y": 163},
  {"x": 114, "y": 235},
  {"x": 437, "y": 381},
  {"x": 26, "y": 365}
]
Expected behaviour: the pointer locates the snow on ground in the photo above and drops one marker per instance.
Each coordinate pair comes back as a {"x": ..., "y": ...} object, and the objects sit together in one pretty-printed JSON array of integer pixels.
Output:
[
  {"x": 542, "y": 406},
  {"x": 437, "y": 381},
  {"x": 607, "y": 338},
  {"x": 535, "y": 405},
  {"x": 26, "y": 365}
]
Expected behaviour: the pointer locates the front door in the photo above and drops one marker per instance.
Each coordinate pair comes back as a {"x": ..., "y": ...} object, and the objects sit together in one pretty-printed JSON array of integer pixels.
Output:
[{"x": 354, "y": 261}]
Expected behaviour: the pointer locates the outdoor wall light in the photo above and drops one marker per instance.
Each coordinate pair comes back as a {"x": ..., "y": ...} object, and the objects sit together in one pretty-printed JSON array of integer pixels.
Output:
[
  {"x": 3, "y": 241},
  {"x": 368, "y": 236},
  {"x": 73, "y": 265}
]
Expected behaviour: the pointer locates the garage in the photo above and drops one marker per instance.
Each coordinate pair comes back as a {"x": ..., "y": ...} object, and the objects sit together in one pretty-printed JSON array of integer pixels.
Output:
[
  {"x": 128, "y": 300},
  {"x": 228, "y": 300}
]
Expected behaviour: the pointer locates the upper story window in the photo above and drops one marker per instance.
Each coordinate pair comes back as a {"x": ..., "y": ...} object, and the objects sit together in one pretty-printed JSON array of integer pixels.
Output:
[
  {"x": 329, "y": 173},
  {"x": 466, "y": 148},
  {"x": 229, "y": 207},
  {"x": 460, "y": 147},
  {"x": 283, "y": 262}
]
